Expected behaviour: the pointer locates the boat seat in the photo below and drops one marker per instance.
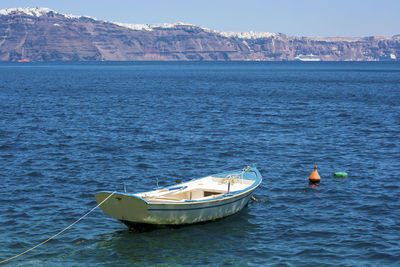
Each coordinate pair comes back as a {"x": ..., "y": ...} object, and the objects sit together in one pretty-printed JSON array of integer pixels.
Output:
[{"x": 164, "y": 198}]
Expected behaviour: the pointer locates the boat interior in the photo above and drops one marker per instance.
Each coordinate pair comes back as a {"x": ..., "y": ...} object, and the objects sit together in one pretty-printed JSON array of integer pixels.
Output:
[{"x": 202, "y": 189}]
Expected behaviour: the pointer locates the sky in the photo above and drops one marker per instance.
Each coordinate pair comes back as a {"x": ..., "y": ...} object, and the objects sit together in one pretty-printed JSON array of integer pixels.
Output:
[{"x": 345, "y": 18}]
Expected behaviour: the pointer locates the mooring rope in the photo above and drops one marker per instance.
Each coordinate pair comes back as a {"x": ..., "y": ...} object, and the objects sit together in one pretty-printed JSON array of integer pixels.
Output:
[{"x": 59, "y": 233}]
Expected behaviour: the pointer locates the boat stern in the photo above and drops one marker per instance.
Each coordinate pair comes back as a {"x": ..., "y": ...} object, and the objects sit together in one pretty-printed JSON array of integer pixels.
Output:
[{"x": 124, "y": 207}]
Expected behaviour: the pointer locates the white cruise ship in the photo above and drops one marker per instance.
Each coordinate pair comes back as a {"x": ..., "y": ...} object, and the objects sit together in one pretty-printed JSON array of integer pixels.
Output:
[{"x": 309, "y": 57}]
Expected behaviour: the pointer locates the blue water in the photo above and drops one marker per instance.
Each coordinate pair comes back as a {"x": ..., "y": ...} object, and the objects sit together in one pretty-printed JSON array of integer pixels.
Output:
[{"x": 69, "y": 130}]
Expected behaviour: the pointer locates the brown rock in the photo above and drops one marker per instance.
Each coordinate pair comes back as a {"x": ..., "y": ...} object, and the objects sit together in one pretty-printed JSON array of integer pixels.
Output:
[{"x": 55, "y": 37}]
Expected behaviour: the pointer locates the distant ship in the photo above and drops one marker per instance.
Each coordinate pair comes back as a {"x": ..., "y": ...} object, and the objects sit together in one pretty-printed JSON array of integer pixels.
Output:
[
  {"x": 310, "y": 57},
  {"x": 24, "y": 60},
  {"x": 391, "y": 57}
]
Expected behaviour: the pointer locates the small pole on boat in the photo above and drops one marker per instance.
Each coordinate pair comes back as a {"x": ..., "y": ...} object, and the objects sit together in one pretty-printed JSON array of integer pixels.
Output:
[
  {"x": 229, "y": 186},
  {"x": 157, "y": 182}
]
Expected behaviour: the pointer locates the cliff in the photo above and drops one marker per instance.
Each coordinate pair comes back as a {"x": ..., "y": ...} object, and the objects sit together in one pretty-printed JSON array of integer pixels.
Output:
[{"x": 41, "y": 34}]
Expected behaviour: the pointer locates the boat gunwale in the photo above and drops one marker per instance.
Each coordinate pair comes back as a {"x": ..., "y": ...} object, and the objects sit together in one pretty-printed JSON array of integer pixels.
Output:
[
  {"x": 219, "y": 203},
  {"x": 225, "y": 196}
]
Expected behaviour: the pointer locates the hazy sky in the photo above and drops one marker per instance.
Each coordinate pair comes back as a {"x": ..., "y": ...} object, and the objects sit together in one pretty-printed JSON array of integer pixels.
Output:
[{"x": 292, "y": 17}]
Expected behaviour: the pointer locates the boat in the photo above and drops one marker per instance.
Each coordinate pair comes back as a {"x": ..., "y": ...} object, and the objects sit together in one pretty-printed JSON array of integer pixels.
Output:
[
  {"x": 310, "y": 57},
  {"x": 199, "y": 200},
  {"x": 24, "y": 60},
  {"x": 390, "y": 57}
]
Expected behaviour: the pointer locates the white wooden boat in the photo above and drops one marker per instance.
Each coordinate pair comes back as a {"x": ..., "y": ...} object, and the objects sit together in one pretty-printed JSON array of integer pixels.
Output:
[{"x": 209, "y": 198}]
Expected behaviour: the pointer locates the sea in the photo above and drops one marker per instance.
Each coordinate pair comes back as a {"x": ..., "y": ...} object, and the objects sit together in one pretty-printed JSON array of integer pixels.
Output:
[{"x": 70, "y": 130}]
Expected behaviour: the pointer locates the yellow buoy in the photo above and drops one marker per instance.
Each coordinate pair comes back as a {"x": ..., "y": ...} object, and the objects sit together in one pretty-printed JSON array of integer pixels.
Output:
[{"x": 314, "y": 176}]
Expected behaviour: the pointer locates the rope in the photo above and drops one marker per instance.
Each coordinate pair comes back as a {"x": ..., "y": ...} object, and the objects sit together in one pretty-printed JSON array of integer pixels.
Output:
[{"x": 59, "y": 233}]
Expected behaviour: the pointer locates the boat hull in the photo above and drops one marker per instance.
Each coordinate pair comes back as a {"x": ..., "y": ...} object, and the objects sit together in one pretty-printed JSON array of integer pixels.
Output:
[
  {"x": 195, "y": 213},
  {"x": 131, "y": 209}
]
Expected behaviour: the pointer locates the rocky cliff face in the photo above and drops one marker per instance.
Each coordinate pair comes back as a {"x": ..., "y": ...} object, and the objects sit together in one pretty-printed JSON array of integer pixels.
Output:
[{"x": 40, "y": 34}]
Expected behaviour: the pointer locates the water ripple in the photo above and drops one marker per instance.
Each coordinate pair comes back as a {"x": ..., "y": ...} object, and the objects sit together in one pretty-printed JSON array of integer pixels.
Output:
[{"x": 68, "y": 131}]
